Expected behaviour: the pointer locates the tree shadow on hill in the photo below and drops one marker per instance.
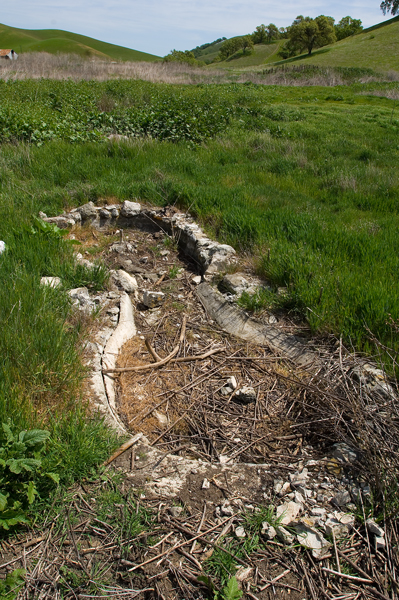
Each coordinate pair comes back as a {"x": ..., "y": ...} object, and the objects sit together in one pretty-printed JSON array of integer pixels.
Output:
[{"x": 302, "y": 57}]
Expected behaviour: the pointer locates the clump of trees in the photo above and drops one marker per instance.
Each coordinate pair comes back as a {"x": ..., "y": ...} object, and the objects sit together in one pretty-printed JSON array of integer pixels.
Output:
[
  {"x": 181, "y": 56},
  {"x": 346, "y": 27},
  {"x": 233, "y": 45},
  {"x": 307, "y": 34},
  {"x": 199, "y": 49}
]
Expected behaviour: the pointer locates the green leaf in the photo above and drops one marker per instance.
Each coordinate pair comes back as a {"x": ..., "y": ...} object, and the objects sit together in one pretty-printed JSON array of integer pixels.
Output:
[
  {"x": 9, "y": 434},
  {"x": 54, "y": 476},
  {"x": 231, "y": 591},
  {"x": 34, "y": 437},
  {"x": 23, "y": 464},
  {"x": 3, "y": 501},
  {"x": 31, "y": 492}
]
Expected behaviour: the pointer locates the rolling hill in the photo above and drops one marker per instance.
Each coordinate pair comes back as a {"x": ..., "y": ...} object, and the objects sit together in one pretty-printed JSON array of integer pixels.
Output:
[
  {"x": 376, "y": 47},
  {"x": 56, "y": 40}
]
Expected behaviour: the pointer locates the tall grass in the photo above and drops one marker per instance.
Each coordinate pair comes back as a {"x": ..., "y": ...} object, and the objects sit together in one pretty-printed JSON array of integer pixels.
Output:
[{"x": 40, "y": 345}]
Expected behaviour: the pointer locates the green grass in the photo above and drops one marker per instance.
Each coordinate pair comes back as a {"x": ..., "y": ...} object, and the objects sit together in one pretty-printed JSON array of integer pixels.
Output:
[
  {"x": 302, "y": 177},
  {"x": 55, "y": 40},
  {"x": 262, "y": 54}
]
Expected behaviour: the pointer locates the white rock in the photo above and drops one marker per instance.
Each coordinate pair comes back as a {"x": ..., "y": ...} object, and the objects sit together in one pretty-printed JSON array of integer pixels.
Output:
[
  {"x": 130, "y": 209},
  {"x": 81, "y": 295},
  {"x": 161, "y": 418},
  {"x": 333, "y": 526},
  {"x": 175, "y": 511},
  {"x": 312, "y": 539},
  {"x": 278, "y": 486},
  {"x": 272, "y": 320},
  {"x": 240, "y": 532},
  {"x": 226, "y": 510},
  {"x": 298, "y": 478},
  {"x": 375, "y": 529},
  {"x": 244, "y": 573},
  {"x": 268, "y": 531},
  {"x": 318, "y": 511},
  {"x": 299, "y": 499},
  {"x": 206, "y": 484},
  {"x": 379, "y": 543},
  {"x": 153, "y": 299},
  {"x": 285, "y": 536},
  {"x": 288, "y": 511},
  {"x": 52, "y": 282},
  {"x": 246, "y": 394},
  {"x": 2, "y": 247},
  {"x": 224, "y": 459},
  {"x": 197, "y": 279},
  {"x": 125, "y": 281}
]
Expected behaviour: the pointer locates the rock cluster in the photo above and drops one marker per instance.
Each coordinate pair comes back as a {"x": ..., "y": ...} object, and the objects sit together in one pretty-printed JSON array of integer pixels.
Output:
[{"x": 209, "y": 255}]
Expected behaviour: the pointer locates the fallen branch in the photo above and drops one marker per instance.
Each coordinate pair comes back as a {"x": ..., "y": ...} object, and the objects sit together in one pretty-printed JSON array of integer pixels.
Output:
[
  {"x": 345, "y": 576},
  {"x": 123, "y": 448}
]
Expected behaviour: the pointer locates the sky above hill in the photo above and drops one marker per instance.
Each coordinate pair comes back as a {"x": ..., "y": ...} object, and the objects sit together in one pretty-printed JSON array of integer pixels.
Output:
[{"x": 158, "y": 26}]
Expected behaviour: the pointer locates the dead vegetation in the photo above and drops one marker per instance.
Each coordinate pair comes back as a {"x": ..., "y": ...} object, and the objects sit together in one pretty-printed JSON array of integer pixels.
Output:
[{"x": 114, "y": 539}]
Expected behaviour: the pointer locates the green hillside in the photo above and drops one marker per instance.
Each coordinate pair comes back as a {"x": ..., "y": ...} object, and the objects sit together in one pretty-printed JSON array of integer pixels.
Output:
[
  {"x": 56, "y": 40},
  {"x": 376, "y": 47}
]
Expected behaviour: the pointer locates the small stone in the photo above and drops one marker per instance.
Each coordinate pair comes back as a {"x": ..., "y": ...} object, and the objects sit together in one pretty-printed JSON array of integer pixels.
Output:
[
  {"x": 81, "y": 295},
  {"x": 244, "y": 573},
  {"x": 196, "y": 280},
  {"x": 153, "y": 277},
  {"x": 318, "y": 511},
  {"x": 299, "y": 499},
  {"x": 130, "y": 209},
  {"x": 153, "y": 299},
  {"x": 375, "y": 529},
  {"x": 143, "y": 260},
  {"x": 298, "y": 478},
  {"x": 112, "y": 295},
  {"x": 164, "y": 253},
  {"x": 104, "y": 213},
  {"x": 379, "y": 543},
  {"x": 87, "y": 211},
  {"x": 288, "y": 511},
  {"x": 246, "y": 395},
  {"x": 229, "y": 386},
  {"x": 341, "y": 499},
  {"x": 113, "y": 310},
  {"x": 268, "y": 531},
  {"x": 206, "y": 484},
  {"x": 175, "y": 511},
  {"x": 224, "y": 459},
  {"x": 235, "y": 283},
  {"x": 42, "y": 215},
  {"x": 52, "y": 282},
  {"x": 344, "y": 453},
  {"x": 226, "y": 509},
  {"x": 278, "y": 485},
  {"x": 285, "y": 536},
  {"x": 161, "y": 418},
  {"x": 312, "y": 539},
  {"x": 272, "y": 320},
  {"x": 125, "y": 281},
  {"x": 240, "y": 532},
  {"x": 285, "y": 489}
]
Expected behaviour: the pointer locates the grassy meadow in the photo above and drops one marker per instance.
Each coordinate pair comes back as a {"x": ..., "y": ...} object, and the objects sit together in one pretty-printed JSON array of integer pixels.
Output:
[{"x": 301, "y": 178}]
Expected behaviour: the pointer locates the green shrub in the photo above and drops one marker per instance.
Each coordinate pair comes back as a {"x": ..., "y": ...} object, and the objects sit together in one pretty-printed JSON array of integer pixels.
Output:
[{"x": 20, "y": 468}]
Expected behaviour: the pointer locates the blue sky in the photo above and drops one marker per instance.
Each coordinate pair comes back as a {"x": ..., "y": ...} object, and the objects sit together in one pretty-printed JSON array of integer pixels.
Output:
[{"x": 158, "y": 26}]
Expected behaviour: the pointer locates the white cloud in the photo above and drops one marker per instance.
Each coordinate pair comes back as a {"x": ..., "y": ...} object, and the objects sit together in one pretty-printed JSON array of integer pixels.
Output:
[{"x": 158, "y": 26}]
